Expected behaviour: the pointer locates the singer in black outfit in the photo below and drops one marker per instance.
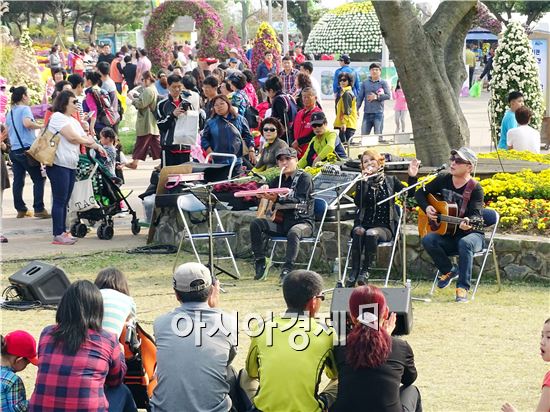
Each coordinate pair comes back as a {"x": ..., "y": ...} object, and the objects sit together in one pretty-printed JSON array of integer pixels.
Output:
[{"x": 374, "y": 223}]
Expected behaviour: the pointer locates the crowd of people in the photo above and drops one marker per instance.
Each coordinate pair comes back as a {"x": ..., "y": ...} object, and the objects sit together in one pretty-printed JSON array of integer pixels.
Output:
[{"x": 81, "y": 363}]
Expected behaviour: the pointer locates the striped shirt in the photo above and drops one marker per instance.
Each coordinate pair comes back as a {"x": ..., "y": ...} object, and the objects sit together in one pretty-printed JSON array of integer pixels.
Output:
[
  {"x": 13, "y": 391},
  {"x": 117, "y": 307}
]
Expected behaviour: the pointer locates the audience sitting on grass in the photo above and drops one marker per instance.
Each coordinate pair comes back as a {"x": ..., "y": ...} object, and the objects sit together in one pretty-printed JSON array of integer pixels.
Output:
[
  {"x": 289, "y": 355},
  {"x": 374, "y": 368},
  {"x": 544, "y": 401},
  {"x": 18, "y": 350},
  {"x": 118, "y": 306},
  {"x": 523, "y": 137},
  {"x": 194, "y": 360},
  {"x": 80, "y": 365}
]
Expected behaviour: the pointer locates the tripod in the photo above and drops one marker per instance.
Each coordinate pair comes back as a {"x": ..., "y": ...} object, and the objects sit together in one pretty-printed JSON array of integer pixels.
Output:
[{"x": 196, "y": 205}]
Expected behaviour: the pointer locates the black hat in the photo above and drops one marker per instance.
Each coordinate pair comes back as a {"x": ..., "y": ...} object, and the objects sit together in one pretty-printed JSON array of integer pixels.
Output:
[
  {"x": 287, "y": 151},
  {"x": 318, "y": 118},
  {"x": 344, "y": 58},
  {"x": 375, "y": 66}
]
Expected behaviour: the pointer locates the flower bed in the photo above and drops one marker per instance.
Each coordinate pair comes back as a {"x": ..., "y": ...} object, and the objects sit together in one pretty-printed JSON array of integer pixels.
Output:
[{"x": 517, "y": 155}]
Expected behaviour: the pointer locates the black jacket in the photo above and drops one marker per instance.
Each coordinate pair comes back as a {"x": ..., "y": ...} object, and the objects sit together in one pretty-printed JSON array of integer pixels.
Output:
[
  {"x": 374, "y": 389},
  {"x": 393, "y": 185},
  {"x": 166, "y": 120},
  {"x": 302, "y": 194}
]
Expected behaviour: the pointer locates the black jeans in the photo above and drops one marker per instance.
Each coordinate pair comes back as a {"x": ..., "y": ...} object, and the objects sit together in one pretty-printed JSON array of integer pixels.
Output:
[
  {"x": 410, "y": 399},
  {"x": 262, "y": 229},
  {"x": 20, "y": 168},
  {"x": 366, "y": 244},
  {"x": 345, "y": 136}
]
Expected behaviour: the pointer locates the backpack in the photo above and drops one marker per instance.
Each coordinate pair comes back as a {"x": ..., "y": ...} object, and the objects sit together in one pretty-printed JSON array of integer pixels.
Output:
[
  {"x": 251, "y": 115},
  {"x": 290, "y": 115},
  {"x": 106, "y": 114}
]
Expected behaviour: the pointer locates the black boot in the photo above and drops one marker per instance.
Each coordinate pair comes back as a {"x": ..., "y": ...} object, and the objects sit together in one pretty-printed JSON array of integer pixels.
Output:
[
  {"x": 259, "y": 268},
  {"x": 352, "y": 278},
  {"x": 363, "y": 277}
]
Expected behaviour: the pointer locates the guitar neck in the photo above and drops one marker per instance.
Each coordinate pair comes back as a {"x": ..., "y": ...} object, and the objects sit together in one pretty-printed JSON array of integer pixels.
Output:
[{"x": 450, "y": 219}]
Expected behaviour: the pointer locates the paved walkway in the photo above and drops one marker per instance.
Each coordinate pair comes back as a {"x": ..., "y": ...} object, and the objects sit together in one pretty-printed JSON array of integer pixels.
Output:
[{"x": 30, "y": 237}]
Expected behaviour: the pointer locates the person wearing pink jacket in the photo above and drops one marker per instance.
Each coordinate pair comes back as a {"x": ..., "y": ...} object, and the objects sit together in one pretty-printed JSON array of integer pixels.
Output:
[
  {"x": 400, "y": 108},
  {"x": 3, "y": 100}
]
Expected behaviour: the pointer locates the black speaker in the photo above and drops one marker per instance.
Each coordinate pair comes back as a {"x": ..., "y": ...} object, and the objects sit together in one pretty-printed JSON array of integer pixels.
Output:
[
  {"x": 41, "y": 281},
  {"x": 398, "y": 300}
]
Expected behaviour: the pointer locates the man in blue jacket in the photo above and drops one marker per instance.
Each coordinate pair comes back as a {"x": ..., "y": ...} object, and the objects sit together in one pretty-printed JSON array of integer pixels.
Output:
[
  {"x": 345, "y": 68},
  {"x": 374, "y": 91}
]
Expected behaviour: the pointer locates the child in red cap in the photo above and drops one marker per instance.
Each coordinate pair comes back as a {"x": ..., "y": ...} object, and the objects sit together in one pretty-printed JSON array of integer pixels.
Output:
[{"x": 18, "y": 350}]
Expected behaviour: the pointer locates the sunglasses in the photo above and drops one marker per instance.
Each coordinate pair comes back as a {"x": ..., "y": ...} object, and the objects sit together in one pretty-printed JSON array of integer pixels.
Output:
[
  {"x": 321, "y": 297},
  {"x": 269, "y": 129},
  {"x": 458, "y": 160},
  {"x": 75, "y": 101},
  {"x": 314, "y": 126},
  {"x": 343, "y": 80}
]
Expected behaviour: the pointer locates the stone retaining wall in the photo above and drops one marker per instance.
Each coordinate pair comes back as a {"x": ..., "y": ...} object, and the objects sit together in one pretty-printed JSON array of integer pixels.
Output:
[{"x": 520, "y": 258}]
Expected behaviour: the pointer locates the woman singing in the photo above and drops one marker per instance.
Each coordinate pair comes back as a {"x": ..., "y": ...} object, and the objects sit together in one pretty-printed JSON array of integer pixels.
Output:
[{"x": 374, "y": 223}]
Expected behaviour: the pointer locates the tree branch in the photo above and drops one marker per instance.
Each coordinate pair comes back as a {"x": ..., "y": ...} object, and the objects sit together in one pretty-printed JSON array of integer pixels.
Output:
[
  {"x": 442, "y": 23},
  {"x": 454, "y": 61}
]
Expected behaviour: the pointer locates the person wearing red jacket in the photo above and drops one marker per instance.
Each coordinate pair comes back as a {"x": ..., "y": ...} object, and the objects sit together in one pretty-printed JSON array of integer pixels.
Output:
[{"x": 303, "y": 133}]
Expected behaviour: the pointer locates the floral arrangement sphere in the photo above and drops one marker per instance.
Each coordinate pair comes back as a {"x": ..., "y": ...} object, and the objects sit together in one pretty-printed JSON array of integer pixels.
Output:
[{"x": 348, "y": 29}]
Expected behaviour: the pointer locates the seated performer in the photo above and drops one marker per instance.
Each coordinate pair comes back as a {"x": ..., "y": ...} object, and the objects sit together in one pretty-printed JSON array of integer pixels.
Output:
[
  {"x": 322, "y": 144},
  {"x": 374, "y": 223},
  {"x": 456, "y": 187},
  {"x": 296, "y": 222}
]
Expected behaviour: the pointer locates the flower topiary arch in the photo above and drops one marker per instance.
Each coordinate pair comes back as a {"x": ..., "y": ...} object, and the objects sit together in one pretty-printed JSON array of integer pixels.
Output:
[
  {"x": 159, "y": 29},
  {"x": 352, "y": 28}
]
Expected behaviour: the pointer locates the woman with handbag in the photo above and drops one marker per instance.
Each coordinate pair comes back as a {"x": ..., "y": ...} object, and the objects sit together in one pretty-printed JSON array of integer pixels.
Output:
[
  {"x": 228, "y": 132},
  {"x": 62, "y": 172},
  {"x": 21, "y": 127}
]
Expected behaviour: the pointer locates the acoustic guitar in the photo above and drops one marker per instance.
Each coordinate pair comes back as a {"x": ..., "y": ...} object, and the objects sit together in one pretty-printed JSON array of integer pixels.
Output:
[
  {"x": 447, "y": 218},
  {"x": 272, "y": 211}
]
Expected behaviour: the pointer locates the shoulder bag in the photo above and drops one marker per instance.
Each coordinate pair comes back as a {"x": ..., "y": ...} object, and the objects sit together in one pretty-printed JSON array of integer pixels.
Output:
[
  {"x": 44, "y": 147},
  {"x": 31, "y": 162}
]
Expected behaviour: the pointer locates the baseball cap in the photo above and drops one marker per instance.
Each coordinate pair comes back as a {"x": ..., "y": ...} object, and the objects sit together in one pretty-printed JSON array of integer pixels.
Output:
[
  {"x": 318, "y": 118},
  {"x": 22, "y": 344},
  {"x": 234, "y": 51},
  {"x": 287, "y": 151},
  {"x": 466, "y": 153},
  {"x": 375, "y": 66},
  {"x": 233, "y": 60},
  {"x": 192, "y": 277},
  {"x": 344, "y": 58}
]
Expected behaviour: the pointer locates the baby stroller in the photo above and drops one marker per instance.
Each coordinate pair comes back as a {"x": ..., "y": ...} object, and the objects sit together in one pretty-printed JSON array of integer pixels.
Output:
[
  {"x": 107, "y": 195},
  {"x": 141, "y": 361}
]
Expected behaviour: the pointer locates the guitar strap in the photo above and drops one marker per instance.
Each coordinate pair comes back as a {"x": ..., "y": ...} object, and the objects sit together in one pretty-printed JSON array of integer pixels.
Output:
[{"x": 466, "y": 196}]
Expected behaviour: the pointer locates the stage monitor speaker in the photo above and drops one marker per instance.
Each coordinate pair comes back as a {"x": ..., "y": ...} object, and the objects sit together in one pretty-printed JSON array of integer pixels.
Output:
[
  {"x": 41, "y": 281},
  {"x": 397, "y": 299}
]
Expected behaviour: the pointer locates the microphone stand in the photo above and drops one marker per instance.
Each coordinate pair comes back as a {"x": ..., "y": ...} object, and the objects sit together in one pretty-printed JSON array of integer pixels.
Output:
[
  {"x": 337, "y": 188},
  {"x": 209, "y": 211},
  {"x": 403, "y": 221}
]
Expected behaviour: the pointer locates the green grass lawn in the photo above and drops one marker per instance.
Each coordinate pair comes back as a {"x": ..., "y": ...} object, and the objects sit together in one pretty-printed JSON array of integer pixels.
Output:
[{"x": 470, "y": 357}]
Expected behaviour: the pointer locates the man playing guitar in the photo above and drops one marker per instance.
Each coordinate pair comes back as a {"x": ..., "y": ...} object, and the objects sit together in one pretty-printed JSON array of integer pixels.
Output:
[
  {"x": 296, "y": 224},
  {"x": 458, "y": 187}
]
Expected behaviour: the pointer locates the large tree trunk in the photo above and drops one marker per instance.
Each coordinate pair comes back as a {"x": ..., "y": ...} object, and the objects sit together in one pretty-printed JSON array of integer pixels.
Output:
[
  {"x": 429, "y": 62},
  {"x": 92, "y": 36},
  {"x": 75, "y": 24},
  {"x": 245, "y": 5}
]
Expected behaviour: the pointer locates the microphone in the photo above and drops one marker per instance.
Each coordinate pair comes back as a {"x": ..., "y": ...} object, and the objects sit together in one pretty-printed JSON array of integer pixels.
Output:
[{"x": 440, "y": 168}]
